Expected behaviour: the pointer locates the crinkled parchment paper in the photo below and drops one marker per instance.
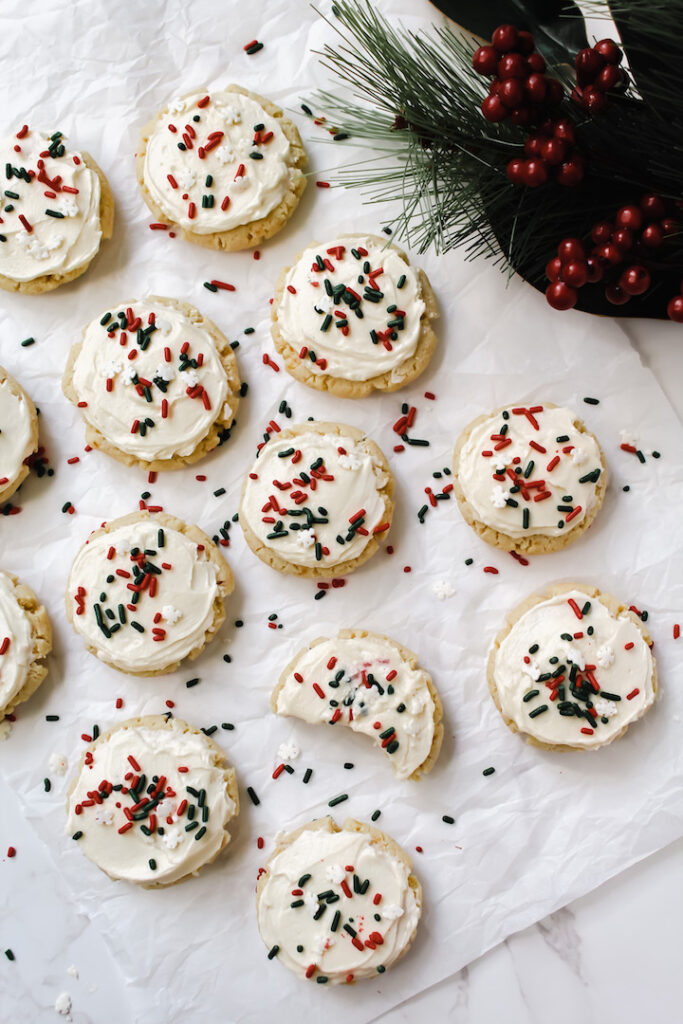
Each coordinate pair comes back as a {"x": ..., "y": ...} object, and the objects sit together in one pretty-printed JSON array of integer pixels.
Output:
[{"x": 543, "y": 829}]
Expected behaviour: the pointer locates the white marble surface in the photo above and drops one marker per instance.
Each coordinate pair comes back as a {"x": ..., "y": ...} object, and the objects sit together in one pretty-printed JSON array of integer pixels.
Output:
[{"x": 612, "y": 956}]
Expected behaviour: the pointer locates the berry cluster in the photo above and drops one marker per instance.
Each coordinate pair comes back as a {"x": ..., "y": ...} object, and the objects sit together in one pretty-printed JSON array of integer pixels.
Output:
[
  {"x": 616, "y": 256},
  {"x": 522, "y": 92},
  {"x": 597, "y": 73},
  {"x": 519, "y": 89}
]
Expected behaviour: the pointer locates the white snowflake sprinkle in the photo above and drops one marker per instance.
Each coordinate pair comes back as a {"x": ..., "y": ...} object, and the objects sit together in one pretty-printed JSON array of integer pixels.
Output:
[
  {"x": 305, "y": 539},
  {"x": 499, "y": 496},
  {"x": 104, "y": 815},
  {"x": 225, "y": 155},
  {"x": 288, "y": 751},
  {"x": 392, "y": 912},
  {"x": 335, "y": 873},
  {"x": 578, "y": 456},
  {"x": 350, "y": 461},
  {"x": 604, "y": 656},
  {"x": 442, "y": 589},
  {"x": 58, "y": 764},
  {"x": 171, "y": 614},
  {"x": 68, "y": 206}
]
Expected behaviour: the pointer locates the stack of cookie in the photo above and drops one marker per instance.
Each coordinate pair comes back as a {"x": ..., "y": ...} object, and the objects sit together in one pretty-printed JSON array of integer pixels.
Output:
[{"x": 158, "y": 387}]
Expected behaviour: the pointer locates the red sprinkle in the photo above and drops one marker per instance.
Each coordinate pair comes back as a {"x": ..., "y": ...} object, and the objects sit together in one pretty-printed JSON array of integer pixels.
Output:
[
  {"x": 632, "y": 694},
  {"x": 11, "y": 852},
  {"x": 491, "y": 568}
]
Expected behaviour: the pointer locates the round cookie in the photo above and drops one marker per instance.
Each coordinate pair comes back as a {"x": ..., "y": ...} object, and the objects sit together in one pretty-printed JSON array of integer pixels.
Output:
[
  {"x": 151, "y": 801},
  {"x": 529, "y": 479},
  {"x": 146, "y": 591},
  {"x": 25, "y": 640},
  {"x": 572, "y": 668},
  {"x": 319, "y": 880},
  {"x": 372, "y": 685},
  {"x": 352, "y": 316},
  {"x": 55, "y": 209},
  {"x": 18, "y": 434},
  {"x": 157, "y": 383},
  {"x": 223, "y": 167},
  {"x": 318, "y": 500}
]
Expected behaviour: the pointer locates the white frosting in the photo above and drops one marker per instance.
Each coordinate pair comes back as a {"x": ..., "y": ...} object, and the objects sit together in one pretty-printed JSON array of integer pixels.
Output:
[
  {"x": 369, "y": 687},
  {"x": 355, "y": 484},
  {"x": 629, "y": 673},
  {"x": 191, "y": 585},
  {"x": 158, "y": 752},
  {"x": 16, "y": 428},
  {"x": 254, "y": 187},
  {"x": 332, "y": 953},
  {"x": 117, "y": 406},
  {"x": 328, "y": 326},
  {"x": 49, "y": 245},
  {"x": 488, "y": 480},
  {"x": 15, "y": 627}
]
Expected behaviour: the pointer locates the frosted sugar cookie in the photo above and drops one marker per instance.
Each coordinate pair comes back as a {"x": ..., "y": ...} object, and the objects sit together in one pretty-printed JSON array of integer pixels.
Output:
[
  {"x": 352, "y": 316},
  {"x": 18, "y": 434},
  {"x": 336, "y": 905},
  {"x": 146, "y": 591},
  {"x": 25, "y": 640},
  {"x": 372, "y": 685},
  {"x": 572, "y": 668},
  {"x": 151, "y": 801},
  {"x": 224, "y": 166},
  {"x": 156, "y": 381},
  {"x": 317, "y": 500},
  {"x": 529, "y": 478},
  {"x": 56, "y": 207}
]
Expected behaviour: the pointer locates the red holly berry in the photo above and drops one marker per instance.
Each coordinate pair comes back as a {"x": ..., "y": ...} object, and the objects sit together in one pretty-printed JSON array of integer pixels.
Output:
[
  {"x": 564, "y": 130},
  {"x": 571, "y": 249},
  {"x": 601, "y": 232},
  {"x": 511, "y": 92},
  {"x": 485, "y": 60},
  {"x": 553, "y": 151},
  {"x": 629, "y": 217},
  {"x": 505, "y": 38},
  {"x": 575, "y": 273},
  {"x": 623, "y": 237},
  {"x": 588, "y": 64},
  {"x": 674, "y": 309},
  {"x": 526, "y": 44},
  {"x": 535, "y": 62},
  {"x": 561, "y": 296},
  {"x": 512, "y": 65},
  {"x": 652, "y": 206},
  {"x": 515, "y": 171},
  {"x": 652, "y": 236},
  {"x": 595, "y": 102},
  {"x": 608, "y": 78},
  {"x": 535, "y": 173},
  {"x": 635, "y": 280},
  {"x": 609, "y": 50},
  {"x": 553, "y": 269},
  {"x": 594, "y": 271},
  {"x": 554, "y": 92},
  {"x": 521, "y": 116},
  {"x": 535, "y": 87},
  {"x": 668, "y": 225},
  {"x": 571, "y": 172},
  {"x": 494, "y": 109},
  {"x": 616, "y": 295},
  {"x": 609, "y": 253},
  {"x": 533, "y": 145}
]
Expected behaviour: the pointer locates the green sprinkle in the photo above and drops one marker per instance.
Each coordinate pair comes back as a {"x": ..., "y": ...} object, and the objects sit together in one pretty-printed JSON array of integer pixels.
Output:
[
  {"x": 448, "y": 819},
  {"x": 252, "y": 796},
  {"x": 47, "y": 785},
  {"x": 9, "y": 954},
  {"x": 77, "y": 835},
  {"x": 273, "y": 952},
  {"x": 192, "y": 682},
  {"x": 51, "y": 718},
  {"x": 592, "y": 401},
  {"x": 27, "y": 342},
  {"x": 152, "y": 864},
  {"x": 338, "y": 800},
  {"x": 469, "y": 561},
  {"x": 375, "y": 815},
  {"x": 488, "y": 771},
  {"x": 538, "y": 711}
]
